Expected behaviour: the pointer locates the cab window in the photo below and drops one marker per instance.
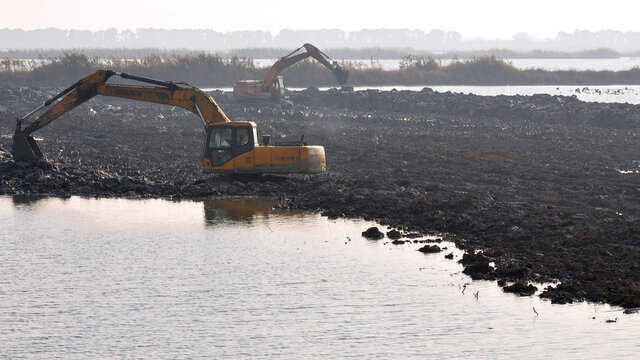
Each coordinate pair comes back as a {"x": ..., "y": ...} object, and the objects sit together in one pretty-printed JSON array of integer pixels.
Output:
[
  {"x": 220, "y": 145},
  {"x": 220, "y": 138},
  {"x": 242, "y": 137},
  {"x": 280, "y": 86}
]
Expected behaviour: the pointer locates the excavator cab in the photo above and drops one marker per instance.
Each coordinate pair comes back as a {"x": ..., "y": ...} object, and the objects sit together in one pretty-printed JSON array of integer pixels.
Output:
[
  {"x": 234, "y": 147},
  {"x": 225, "y": 142},
  {"x": 255, "y": 89},
  {"x": 278, "y": 87}
]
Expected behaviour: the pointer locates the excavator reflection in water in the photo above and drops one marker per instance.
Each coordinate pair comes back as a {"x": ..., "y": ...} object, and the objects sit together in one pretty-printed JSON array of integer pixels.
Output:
[
  {"x": 273, "y": 85},
  {"x": 219, "y": 210},
  {"x": 230, "y": 146}
]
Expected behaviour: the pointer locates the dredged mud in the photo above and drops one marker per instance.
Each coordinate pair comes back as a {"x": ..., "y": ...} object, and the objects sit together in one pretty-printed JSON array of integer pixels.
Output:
[{"x": 547, "y": 187}]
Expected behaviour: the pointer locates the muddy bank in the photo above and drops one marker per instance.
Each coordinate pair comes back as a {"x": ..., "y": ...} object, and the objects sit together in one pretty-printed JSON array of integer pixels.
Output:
[{"x": 547, "y": 187}]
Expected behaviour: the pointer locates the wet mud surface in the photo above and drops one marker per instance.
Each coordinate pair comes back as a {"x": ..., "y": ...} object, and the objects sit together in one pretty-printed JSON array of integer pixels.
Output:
[{"x": 535, "y": 189}]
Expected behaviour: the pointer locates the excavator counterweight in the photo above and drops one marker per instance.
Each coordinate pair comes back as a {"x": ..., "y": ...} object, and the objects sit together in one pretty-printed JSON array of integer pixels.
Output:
[{"x": 230, "y": 146}]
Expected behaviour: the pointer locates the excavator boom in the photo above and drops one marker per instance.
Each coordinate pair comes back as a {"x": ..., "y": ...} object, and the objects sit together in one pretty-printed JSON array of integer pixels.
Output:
[
  {"x": 280, "y": 65},
  {"x": 189, "y": 98},
  {"x": 193, "y": 99}
]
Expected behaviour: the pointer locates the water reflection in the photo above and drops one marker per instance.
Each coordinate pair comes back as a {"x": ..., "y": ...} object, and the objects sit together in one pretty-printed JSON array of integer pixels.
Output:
[
  {"x": 245, "y": 210},
  {"x": 27, "y": 200},
  {"x": 150, "y": 278}
]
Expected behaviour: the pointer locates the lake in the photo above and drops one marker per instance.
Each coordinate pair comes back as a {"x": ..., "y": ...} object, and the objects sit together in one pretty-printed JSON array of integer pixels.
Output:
[
  {"x": 622, "y": 63},
  {"x": 233, "y": 278}
]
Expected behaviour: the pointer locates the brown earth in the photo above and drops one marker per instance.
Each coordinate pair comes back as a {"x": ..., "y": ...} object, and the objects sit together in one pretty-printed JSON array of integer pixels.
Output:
[{"x": 547, "y": 187}]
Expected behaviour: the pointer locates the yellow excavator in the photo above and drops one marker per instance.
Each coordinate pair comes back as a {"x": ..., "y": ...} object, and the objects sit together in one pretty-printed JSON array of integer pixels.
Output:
[
  {"x": 230, "y": 146},
  {"x": 273, "y": 85}
]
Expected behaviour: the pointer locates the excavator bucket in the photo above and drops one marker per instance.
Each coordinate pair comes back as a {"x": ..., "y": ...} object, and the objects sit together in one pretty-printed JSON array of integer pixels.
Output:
[
  {"x": 341, "y": 75},
  {"x": 25, "y": 149}
]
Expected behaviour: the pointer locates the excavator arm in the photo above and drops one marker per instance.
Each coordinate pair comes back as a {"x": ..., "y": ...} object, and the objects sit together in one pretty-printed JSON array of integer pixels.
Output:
[
  {"x": 190, "y": 98},
  {"x": 339, "y": 72},
  {"x": 281, "y": 64}
]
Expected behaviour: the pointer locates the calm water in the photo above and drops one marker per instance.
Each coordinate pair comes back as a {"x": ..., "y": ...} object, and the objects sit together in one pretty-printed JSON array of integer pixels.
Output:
[
  {"x": 622, "y": 63},
  {"x": 86, "y": 278}
]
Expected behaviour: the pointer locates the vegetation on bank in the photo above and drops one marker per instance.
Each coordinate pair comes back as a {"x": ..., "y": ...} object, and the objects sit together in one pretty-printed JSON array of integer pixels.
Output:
[{"x": 205, "y": 70}]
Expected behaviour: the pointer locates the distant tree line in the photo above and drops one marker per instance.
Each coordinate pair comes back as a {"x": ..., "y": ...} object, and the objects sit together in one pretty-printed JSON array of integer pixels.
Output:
[
  {"x": 209, "y": 70},
  {"x": 210, "y": 40}
]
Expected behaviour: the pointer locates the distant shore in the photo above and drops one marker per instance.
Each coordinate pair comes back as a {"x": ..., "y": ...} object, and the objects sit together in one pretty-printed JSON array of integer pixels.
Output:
[{"x": 206, "y": 70}]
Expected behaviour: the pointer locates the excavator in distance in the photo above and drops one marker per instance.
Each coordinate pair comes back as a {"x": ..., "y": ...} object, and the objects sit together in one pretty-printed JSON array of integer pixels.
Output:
[
  {"x": 230, "y": 146},
  {"x": 273, "y": 85}
]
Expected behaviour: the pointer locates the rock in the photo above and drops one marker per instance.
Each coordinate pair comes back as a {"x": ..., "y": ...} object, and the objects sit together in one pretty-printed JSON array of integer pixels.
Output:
[
  {"x": 398, "y": 242},
  {"x": 476, "y": 265},
  {"x": 476, "y": 270},
  {"x": 449, "y": 256},
  {"x": 473, "y": 258},
  {"x": 564, "y": 293},
  {"x": 430, "y": 249},
  {"x": 373, "y": 233},
  {"x": 394, "y": 234},
  {"x": 520, "y": 289}
]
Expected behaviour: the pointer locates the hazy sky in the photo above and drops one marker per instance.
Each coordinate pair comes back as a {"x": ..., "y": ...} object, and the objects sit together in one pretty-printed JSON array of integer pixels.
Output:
[{"x": 486, "y": 19}]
